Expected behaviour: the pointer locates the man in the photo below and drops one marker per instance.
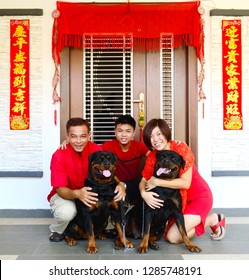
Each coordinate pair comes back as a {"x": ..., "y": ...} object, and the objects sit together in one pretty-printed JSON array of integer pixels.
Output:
[
  {"x": 130, "y": 155},
  {"x": 69, "y": 169}
]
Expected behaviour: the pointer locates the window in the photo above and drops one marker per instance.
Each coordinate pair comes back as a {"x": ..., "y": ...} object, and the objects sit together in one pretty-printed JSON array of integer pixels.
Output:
[
  {"x": 107, "y": 82},
  {"x": 167, "y": 100}
]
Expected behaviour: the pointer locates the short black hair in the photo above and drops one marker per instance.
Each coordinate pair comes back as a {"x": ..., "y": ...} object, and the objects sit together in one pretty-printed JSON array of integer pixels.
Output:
[
  {"x": 126, "y": 119},
  {"x": 77, "y": 122}
]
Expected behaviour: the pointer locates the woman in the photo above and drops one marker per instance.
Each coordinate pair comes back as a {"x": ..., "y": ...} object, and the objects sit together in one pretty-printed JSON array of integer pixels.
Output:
[{"x": 196, "y": 194}]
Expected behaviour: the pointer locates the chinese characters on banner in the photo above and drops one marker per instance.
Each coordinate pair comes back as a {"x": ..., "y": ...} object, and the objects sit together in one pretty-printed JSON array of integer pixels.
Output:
[
  {"x": 19, "y": 74},
  {"x": 232, "y": 74}
]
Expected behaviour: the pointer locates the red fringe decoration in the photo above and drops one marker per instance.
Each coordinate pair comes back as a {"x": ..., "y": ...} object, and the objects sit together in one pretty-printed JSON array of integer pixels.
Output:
[{"x": 145, "y": 22}]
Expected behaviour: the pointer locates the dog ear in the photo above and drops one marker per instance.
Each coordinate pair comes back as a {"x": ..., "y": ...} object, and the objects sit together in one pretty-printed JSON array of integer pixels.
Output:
[
  {"x": 90, "y": 157},
  {"x": 115, "y": 158}
]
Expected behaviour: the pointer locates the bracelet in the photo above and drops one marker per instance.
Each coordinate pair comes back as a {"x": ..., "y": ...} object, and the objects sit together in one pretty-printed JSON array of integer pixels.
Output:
[{"x": 125, "y": 186}]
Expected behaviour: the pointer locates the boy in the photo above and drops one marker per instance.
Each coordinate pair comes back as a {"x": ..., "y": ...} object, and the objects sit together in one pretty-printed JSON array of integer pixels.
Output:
[{"x": 130, "y": 154}]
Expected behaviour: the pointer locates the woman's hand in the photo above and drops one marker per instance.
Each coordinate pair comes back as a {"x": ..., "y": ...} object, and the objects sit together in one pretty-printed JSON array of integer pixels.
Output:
[
  {"x": 151, "y": 198},
  {"x": 151, "y": 183}
]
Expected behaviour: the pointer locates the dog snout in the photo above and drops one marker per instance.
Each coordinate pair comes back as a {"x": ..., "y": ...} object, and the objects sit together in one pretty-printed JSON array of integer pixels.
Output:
[
  {"x": 166, "y": 161},
  {"x": 106, "y": 163}
]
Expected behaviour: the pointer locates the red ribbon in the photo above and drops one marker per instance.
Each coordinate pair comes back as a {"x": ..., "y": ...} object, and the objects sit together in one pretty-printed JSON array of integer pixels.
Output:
[
  {"x": 232, "y": 75},
  {"x": 19, "y": 74}
]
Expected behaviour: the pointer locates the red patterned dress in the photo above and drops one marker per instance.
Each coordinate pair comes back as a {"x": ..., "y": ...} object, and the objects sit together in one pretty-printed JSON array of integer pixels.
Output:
[{"x": 198, "y": 199}]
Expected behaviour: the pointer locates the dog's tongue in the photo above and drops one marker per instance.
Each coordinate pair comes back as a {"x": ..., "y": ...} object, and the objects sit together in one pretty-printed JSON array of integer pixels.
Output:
[
  {"x": 162, "y": 170},
  {"x": 106, "y": 173}
]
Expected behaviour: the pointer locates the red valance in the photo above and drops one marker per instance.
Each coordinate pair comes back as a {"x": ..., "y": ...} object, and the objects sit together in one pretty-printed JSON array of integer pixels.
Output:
[{"x": 144, "y": 21}]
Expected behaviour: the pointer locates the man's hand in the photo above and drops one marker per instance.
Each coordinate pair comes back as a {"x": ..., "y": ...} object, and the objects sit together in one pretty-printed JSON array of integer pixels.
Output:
[{"x": 86, "y": 196}]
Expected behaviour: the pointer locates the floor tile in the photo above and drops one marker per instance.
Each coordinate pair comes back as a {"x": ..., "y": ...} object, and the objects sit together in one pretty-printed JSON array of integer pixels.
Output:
[{"x": 27, "y": 239}]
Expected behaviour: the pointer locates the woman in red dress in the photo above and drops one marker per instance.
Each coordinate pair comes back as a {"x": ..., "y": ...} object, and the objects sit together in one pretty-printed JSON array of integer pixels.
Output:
[{"x": 196, "y": 194}]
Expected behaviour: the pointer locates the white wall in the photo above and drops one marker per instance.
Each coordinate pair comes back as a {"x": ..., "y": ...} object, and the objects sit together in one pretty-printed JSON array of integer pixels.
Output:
[
  {"x": 222, "y": 187},
  {"x": 30, "y": 193}
]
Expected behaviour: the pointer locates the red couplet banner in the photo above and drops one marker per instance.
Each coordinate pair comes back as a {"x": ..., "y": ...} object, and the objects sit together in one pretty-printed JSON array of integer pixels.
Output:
[
  {"x": 19, "y": 74},
  {"x": 232, "y": 75}
]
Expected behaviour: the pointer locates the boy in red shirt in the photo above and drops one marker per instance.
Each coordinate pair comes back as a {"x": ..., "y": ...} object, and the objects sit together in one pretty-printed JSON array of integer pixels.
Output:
[{"x": 130, "y": 154}]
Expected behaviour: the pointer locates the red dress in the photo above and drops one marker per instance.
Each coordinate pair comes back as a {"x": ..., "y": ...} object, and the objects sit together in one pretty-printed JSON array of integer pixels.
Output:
[{"x": 198, "y": 199}]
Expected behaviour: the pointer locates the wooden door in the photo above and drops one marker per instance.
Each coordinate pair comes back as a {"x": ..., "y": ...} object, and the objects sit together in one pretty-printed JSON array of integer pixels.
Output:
[{"x": 146, "y": 79}]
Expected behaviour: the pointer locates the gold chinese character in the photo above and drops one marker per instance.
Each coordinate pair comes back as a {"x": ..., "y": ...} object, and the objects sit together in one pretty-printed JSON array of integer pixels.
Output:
[
  {"x": 231, "y": 44},
  {"x": 231, "y": 56},
  {"x": 233, "y": 96},
  {"x": 20, "y": 42},
  {"x": 19, "y": 81},
  {"x": 231, "y": 71},
  {"x": 232, "y": 109},
  {"x": 19, "y": 69},
  {"x": 232, "y": 83},
  {"x": 20, "y": 32},
  {"x": 20, "y": 57},
  {"x": 230, "y": 32},
  {"x": 19, "y": 107},
  {"x": 19, "y": 95}
]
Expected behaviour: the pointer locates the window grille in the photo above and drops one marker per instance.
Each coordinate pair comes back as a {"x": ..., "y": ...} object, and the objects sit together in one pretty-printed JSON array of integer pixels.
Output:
[
  {"x": 107, "y": 83},
  {"x": 167, "y": 100}
]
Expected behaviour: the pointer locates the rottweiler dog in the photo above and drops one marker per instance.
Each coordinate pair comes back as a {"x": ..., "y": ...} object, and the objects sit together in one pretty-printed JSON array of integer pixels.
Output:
[
  {"x": 153, "y": 221},
  {"x": 91, "y": 222}
]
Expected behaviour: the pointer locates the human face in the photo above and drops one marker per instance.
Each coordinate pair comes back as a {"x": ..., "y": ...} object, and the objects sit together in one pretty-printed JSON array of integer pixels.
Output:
[
  {"x": 158, "y": 140},
  {"x": 124, "y": 133},
  {"x": 78, "y": 137}
]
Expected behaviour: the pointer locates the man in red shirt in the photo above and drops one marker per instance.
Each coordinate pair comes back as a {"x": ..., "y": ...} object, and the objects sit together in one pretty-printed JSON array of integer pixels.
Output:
[
  {"x": 69, "y": 169},
  {"x": 130, "y": 155}
]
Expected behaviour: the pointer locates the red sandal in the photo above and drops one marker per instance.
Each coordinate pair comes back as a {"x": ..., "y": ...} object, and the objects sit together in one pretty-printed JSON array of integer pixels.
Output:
[{"x": 221, "y": 225}]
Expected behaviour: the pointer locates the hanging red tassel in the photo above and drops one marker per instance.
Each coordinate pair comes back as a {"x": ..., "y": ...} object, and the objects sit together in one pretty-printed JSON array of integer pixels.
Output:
[
  {"x": 203, "y": 112},
  {"x": 55, "y": 117}
]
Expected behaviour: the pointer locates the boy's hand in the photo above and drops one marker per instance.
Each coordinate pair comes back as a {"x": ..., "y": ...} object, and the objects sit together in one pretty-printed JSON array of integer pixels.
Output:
[
  {"x": 63, "y": 145},
  {"x": 120, "y": 192}
]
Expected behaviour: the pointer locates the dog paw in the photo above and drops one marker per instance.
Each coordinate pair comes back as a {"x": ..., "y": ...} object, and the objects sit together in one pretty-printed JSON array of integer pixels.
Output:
[
  {"x": 101, "y": 236},
  {"x": 70, "y": 241},
  {"x": 142, "y": 249},
  {"x": 118, "y": 244},
  {"x": 92, "y": 250},
  {"x": 154, "y": 246},
  {"x": 195, "y": 249},
  {"x": 129, "y": 244}
]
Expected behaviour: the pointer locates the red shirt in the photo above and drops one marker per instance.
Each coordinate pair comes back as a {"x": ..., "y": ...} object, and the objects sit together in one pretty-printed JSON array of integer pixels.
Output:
[
  {"x": 129, "y": 161},
  {"x": 69, "y": 168}
]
